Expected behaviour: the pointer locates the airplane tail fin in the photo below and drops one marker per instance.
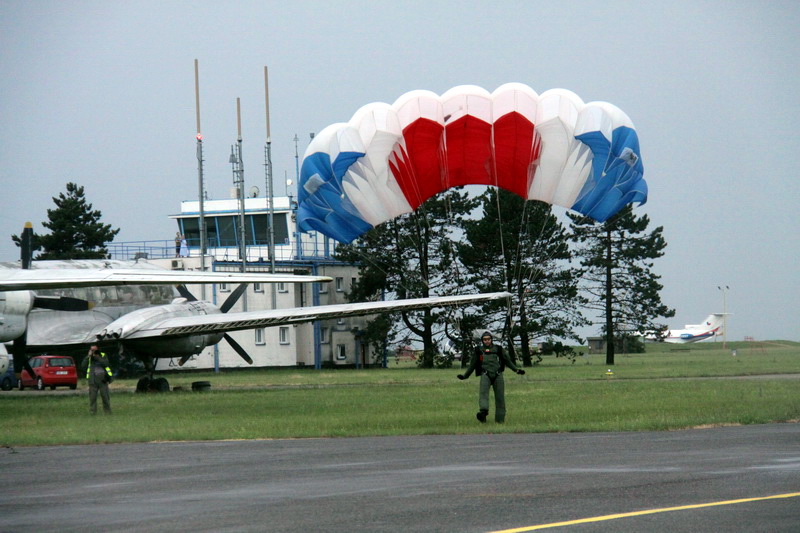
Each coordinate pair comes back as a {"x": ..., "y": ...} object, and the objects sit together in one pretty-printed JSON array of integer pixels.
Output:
[{"x": 714, "y": 322}]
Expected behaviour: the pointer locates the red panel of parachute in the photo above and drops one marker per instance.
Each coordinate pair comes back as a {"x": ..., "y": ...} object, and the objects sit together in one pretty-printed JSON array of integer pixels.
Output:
[
  {"x": 469, "y": 152},
  {"x": 416, "y": 165},
  {"x": 515, "y": 153},
  {"x": 474, "y": 152}
]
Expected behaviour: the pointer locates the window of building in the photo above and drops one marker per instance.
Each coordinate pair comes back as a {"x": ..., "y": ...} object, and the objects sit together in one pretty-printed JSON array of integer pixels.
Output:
[
  {"x": 261, "y": 224},
  {"x": 323, "y": 287},
  {"x": 258, "y": 287},
  {"x": 223, "y": 287},
  {"x": 283, "y": 335},
  {"x": 282, "y": 287},
  {"x": 339, "y": 284},
  {"x": 259, "y": 336},
  {"x": 341, "y": 352},
  {"x": 190, "y": 228},
  {"x": 226, "y": 228},
  {"x": 212, "y": 236},
  {"x": 324, "y": 335}
]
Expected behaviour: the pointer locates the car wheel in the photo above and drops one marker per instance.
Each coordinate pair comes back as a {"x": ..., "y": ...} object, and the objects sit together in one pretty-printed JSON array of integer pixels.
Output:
[
  {"x": 39, "y": 384},
  {"x": 6, "y": 384}
]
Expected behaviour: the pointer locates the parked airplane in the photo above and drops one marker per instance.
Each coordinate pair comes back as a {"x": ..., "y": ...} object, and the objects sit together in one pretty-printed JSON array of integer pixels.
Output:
[
  {"x": 74, "y": 300},
  {"x": 181, "y": 328},
  {"x": 710, "y": 327}
]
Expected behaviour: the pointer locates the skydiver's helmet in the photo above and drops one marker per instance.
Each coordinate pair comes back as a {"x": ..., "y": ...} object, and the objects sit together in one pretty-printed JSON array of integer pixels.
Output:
[{"x": 485, "y": 335}]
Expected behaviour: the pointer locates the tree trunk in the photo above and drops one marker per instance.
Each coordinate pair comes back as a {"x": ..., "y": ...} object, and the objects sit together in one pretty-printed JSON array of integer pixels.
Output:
[{"x": 609, "y": 317}]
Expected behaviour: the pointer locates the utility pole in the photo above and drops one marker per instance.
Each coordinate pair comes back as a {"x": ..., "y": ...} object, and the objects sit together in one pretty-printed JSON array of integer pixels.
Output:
[{"x": 724, "y": 289}]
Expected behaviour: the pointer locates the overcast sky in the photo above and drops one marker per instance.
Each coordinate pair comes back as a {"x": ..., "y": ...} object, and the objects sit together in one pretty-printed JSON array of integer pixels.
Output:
[{"x": 102, "y": 94}]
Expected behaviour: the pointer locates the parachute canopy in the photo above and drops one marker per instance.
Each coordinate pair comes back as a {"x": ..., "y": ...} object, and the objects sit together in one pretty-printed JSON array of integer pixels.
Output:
[{"x": 389, "y": 159}]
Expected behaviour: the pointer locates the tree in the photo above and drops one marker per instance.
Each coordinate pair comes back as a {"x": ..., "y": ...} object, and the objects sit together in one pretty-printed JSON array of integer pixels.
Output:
[
  {"x": 75, "y": 229},
  {"x": 520, "y": 247},
  {"x": 410, "y": 257},
  {"x": 616, "y": 260}
]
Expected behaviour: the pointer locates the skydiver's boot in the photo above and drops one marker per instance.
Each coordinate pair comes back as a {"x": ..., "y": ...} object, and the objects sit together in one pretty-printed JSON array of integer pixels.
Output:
[{"x": 481, "y": 415}]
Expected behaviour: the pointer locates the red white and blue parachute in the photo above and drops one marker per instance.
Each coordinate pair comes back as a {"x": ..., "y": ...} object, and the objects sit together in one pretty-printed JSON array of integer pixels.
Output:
[{"x": 389, "y": 159}]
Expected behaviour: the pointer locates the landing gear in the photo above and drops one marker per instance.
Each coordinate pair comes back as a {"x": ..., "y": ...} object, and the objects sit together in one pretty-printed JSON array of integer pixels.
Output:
[
  {"x": 143, "y": 385},
  {"x": 148, "y": 384}
]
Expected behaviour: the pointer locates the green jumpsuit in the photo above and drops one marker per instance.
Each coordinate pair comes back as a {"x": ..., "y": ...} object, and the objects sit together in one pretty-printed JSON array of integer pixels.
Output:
[
  {"x": 99, "y": 375},
  {"x": 488, "y": 362}
]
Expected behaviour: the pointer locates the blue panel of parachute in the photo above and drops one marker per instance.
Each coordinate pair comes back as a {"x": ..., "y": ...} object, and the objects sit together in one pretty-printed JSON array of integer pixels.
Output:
[
  {"x": 616, "y": 178},
  {"x": 323, "y": 206}
]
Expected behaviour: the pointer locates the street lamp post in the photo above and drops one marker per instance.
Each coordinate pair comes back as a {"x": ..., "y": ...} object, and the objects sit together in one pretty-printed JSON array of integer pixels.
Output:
[{"x": 724, "y": 289}]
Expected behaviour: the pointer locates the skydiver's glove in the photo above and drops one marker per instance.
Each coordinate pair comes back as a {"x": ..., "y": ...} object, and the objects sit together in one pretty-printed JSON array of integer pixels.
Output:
[
  {"x": 461, "y": 376},
  {"x": 521, "y": 372},
  {"x": 110, "y": 380}
]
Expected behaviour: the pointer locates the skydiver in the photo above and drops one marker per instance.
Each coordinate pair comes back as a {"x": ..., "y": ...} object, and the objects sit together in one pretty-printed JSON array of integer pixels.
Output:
[{"x": 488, "y": 362}]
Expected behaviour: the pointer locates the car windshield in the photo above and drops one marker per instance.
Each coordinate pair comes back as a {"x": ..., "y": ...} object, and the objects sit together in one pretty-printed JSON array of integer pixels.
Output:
[{"x": 61, "y": 361}]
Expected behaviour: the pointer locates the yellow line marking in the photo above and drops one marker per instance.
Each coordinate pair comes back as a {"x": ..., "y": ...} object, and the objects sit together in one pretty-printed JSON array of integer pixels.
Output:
[{"x": 646, "y": 512}]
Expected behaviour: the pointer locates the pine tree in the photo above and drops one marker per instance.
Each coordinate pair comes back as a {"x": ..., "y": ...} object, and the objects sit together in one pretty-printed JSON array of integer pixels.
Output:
[
  {"x": 410, "y": 257},
  {"x": 75, "y": 229},
  {"x": 617, "y": 261},
  {"x": 520, "y": 247}
]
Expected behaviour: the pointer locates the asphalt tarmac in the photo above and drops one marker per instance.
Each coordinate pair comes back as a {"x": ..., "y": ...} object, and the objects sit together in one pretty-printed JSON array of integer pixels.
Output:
[{"x": 731, "y": 479}]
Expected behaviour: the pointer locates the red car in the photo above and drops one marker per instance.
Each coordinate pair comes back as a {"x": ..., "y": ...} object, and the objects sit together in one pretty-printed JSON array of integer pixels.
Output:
[{"x": 50, "y": 371}]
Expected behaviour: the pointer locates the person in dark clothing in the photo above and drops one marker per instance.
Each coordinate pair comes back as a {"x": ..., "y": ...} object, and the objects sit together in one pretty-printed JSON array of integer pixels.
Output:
[
  {"x": 488, "y": 362},
  {"x": 99, "y": 375}
]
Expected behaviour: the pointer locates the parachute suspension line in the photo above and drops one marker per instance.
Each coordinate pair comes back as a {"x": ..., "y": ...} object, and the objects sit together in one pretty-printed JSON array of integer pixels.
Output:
[
  {"x": 415, "y": 244},
  {"x": 370, "y": 260},
  {"x": 542, "y": 248},
  {"x": 509, "y": 312},
  {"x": 455, "y": 262},
  {"x": 421, "y": 245},
  {"x": 522, "y": 234},
  {"x": 502, "y": 243}
]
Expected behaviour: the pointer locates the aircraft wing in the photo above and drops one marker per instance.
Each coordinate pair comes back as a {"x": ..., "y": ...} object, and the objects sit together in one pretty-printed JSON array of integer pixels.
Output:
[
  {"x": 220, "y": 323},
  {"x": 19, "y": 279}
]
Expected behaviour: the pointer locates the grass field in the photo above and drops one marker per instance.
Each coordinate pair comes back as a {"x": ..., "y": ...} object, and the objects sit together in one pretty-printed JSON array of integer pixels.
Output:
[{"x": 705, "y": 385}]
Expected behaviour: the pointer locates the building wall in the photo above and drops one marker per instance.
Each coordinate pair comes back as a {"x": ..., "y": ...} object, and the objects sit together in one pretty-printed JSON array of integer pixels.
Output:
[{"x": 310, "y": 253}]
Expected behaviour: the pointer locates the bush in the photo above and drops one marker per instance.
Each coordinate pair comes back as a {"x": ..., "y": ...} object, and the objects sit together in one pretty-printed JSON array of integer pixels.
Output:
[{"x": 559, "y": 350}]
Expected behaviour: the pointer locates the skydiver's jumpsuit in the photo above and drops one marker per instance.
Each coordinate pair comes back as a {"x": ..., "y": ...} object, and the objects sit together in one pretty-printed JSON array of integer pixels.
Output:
[
  {"x": 490, "y": 362},
  {"x": 98, "y": 373}
]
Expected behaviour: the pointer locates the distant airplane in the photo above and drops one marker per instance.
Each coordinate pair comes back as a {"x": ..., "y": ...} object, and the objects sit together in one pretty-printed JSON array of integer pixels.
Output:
[
  {"x": 710, "y": 327},
  {"x": 130, "y": 324}
]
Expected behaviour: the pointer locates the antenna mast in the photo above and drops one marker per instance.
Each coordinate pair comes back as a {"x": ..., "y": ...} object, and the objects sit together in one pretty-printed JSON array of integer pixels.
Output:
[
  {"x": 200, "y": 183},
  {"x": 270, "y": 193},
  {"x": 238, "y": 180}
]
